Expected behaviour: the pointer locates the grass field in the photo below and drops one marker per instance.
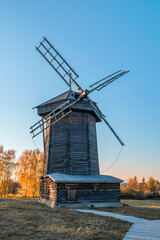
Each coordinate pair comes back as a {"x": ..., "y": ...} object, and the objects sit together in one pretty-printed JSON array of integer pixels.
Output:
[
  {"x": 28, "y": 219},
  {"x": 148, "y": 209}
]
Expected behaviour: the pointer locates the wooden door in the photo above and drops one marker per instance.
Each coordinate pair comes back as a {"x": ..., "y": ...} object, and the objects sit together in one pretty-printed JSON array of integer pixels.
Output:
[{"x": 72, "y": 193}]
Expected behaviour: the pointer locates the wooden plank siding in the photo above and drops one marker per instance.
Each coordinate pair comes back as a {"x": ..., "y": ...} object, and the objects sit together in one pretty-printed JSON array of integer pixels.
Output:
[
  {"x": 71, "y": 145},
  {"x": 56, "y": 193}
]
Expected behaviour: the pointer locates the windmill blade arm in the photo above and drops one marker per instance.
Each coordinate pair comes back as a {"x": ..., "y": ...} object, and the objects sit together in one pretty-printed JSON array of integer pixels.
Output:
[
  {"x": 61, "y": 57},
  {"x": 57, "y": 62},
  {"x": 50, "y": 63},
  {"x": 103, "y": 117},
  {"x": 38, "y": 127},
  {"x": 104, "y": 79},
  {"x": 56, "y": 115},
  {"x": 115, "y": 134},
  {"x": 107, "y": 80},
  {"x": 42, "y": 128}
]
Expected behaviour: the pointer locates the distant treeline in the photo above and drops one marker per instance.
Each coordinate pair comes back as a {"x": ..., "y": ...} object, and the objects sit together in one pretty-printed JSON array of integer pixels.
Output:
[
  {"x": 20, "y": 178},
  {"x": 140, "y": 190}
]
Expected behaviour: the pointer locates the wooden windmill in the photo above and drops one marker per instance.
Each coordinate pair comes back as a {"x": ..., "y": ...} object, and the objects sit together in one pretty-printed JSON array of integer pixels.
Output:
[{"x": 68, "y": 124}]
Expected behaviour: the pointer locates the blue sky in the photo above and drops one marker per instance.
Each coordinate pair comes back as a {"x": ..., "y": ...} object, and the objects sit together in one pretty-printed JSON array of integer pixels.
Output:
[{"x": 97, "y": 38}]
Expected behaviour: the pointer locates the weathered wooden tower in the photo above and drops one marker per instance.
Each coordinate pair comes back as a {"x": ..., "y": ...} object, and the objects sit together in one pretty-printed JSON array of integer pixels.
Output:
[
  {"x": 71, "y": 146},
  {"x": 68, "y": 122}
]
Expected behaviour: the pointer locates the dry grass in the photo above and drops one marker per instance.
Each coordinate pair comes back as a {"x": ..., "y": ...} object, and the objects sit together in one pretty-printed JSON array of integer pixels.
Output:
[
  {"x": 147, "y": 209},
  {"x": 143, "y": 203},
  {"x": 28, "y": 219}
]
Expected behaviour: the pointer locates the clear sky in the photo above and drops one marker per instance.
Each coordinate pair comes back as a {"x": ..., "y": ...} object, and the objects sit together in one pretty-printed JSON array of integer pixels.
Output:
[{"x": 97, "y": 38}]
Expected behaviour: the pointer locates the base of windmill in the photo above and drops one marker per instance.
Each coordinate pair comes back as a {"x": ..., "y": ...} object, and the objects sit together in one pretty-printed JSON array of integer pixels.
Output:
[{"x": 80, "y": 191}]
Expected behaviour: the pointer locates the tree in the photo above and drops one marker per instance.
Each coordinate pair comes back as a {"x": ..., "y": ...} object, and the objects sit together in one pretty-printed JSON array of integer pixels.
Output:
[
  {"x": 7, "y": 165},
  {"x": 157, "y": 185},
  {"x": 133, "y": 184},
  {"x": 124, "y": 190},
  {"x": 151, "y": 184},
  {"x": 29, "y": 169},
  {"x": 143, "y": 185}
]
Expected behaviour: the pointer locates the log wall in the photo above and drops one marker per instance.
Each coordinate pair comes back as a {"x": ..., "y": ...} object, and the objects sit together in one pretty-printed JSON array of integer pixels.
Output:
[
  {"x": 55, "y": 194},
  {"x": 72, "y": 145},
  {"x": 89, "y": 193},
  {"x": 48, "y": 192}
]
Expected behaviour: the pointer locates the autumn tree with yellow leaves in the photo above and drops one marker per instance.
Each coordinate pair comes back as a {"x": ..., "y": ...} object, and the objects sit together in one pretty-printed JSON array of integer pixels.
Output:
[
  {"x": 143, "y": 185},
  {"x": 7, "y": 166},
  {"x": 133, "y": 183},
  {"x": 29, "y": 169},
  {"x": 153, "y": 185}
]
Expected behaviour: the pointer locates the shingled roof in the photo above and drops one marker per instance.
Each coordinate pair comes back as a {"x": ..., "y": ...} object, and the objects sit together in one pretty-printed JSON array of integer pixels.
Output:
[{"x": 68, "y": 95}]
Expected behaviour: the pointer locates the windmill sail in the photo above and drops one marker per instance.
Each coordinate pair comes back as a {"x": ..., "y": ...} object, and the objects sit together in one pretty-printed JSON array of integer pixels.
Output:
[
  {"x": 57, "y": 62},
  {"x": 107, "y": 80},
  {"x": 104, "y": 119},
  {"x": 57, "y": 114}
]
